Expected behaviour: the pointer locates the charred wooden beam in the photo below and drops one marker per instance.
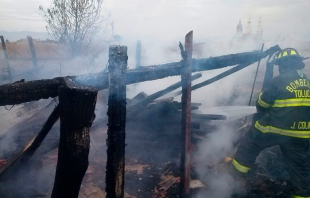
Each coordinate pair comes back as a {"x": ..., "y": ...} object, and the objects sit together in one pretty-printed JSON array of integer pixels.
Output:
[
  {"x": 51, "y": 120},
  {"x": 207, "y": 117},
  {"x": 16, "y": 157},
  {"x": 186, "y": 115},
  {"x": 31, "y": 146},
  {"x": 148, "y": 73},
  {"x": 20, "y": 91},
  {"x": 77, "y": 106},
  {"x": 160, "y": 93},
  {"x": 116, "y": 122},
  {"x": 217, "y": 77},
  {"x": 239, "y": 67}
]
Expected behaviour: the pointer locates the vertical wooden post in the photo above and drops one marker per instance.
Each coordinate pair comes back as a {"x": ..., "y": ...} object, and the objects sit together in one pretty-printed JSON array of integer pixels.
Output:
[
  {"x": 6, "y": 58},
  {"x": 116, "y": 122},
  {"x": 186, "y": 115},
  {"x": 33, "y": 52},
  {"x": 138, "y": 54},
  {"x": 77, "y": 106}
]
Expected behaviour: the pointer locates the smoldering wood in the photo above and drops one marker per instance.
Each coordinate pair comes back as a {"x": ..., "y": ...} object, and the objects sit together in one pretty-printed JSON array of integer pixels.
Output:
[
  {"x": 204, "y": 117},
  {"x": 8, "y": 67},
  {"x": 160, "y": 93},
  {"x": 186, "y": 115},
  {"x": 217, "y": 77},
  {"x": 77, "y": 106},
  {"x": 57, "y": 165},
  {"x": 44, "y": 131},
  {"x": 30, "y": 148},
  {"x": 41, "y": 89},
  {"x": 33, "y": 52},
  {"x": 227, "y": 73},
  {"x": 138, "y": 97},
  {"x": 148, "y": 73},
  {"x": 116, "y": 122},
  {"x": 20, "y": 92},
  {"x": 16, "y": 157}
]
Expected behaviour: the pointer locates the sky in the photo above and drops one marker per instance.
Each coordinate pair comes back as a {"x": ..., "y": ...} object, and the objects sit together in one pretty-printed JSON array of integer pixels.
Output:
[{"x": 167, "y": 19}]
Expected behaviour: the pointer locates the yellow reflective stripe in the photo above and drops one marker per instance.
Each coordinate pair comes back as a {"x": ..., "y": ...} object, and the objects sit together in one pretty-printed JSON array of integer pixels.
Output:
[
  {"x": 296, "y": 102},
  {"x": 239, "y": 167},
  {"x": 291, "y": 133},
  {"x": 295, "y": 196},
  {"x": 284, "y": 53},
  {"x": 261, "y": 102},
  {"x": 293, "y": 52}
]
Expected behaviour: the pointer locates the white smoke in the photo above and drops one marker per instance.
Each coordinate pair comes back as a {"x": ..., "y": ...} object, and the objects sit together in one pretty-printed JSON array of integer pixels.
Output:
[{"x": 209, "y": 159}]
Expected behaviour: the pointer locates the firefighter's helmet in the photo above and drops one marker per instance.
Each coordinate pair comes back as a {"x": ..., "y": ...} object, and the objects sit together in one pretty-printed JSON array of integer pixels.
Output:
[{"x": 286, "y": 54}]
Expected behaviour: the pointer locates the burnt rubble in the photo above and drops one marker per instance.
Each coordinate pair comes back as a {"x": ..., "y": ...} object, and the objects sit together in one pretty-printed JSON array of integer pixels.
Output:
[
  {"x": 153, "y": 137},
  {"x": 152, "y": 157}
]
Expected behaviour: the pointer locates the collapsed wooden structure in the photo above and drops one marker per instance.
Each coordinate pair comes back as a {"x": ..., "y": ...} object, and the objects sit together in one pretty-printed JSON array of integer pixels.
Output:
[{"x": 77, "y": 99}]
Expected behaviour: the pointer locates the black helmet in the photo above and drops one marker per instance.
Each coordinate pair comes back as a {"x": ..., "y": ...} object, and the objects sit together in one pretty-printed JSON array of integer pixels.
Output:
[{"x": 287, "y": 54}]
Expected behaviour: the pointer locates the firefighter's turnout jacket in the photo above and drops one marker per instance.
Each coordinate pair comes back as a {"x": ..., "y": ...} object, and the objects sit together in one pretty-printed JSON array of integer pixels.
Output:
[
  {"x": 285, "y": 106},
  {"x": 286, "y": 103}
]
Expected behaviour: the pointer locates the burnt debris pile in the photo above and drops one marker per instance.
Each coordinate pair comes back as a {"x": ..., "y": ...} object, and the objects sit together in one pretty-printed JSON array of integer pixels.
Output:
[
  {"x": 153, "y": 143},
  {"x": 90, "y": 159}
]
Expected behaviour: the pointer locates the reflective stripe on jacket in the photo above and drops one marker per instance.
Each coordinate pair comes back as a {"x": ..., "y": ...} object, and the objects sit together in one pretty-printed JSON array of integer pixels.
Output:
[{"x": 286, "y": 103}]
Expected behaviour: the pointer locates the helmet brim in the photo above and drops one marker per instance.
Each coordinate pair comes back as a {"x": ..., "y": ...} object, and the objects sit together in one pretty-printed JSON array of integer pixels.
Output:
[{"x": 284, "y": 59}]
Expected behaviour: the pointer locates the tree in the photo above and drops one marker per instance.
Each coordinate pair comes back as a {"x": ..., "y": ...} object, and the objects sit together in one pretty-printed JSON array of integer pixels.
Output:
[{"x": 73, "y": 22}]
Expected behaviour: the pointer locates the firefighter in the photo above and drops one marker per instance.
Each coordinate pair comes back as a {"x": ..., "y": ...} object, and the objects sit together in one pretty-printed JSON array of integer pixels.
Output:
[{"x": 285, "y": 121}]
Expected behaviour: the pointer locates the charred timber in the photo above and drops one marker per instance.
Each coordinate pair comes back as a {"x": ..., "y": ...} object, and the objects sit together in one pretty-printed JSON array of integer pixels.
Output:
[
  {"x": 147, "y": 73},
  {"x": 116, "y": 122},
  {"x": 160, "y": 93},
  {"x": 20, "y": 92},
  {"x": 44, "y": 131},
  {"x": 77, "y": 106},
  {"x": 186, "y": 115}
]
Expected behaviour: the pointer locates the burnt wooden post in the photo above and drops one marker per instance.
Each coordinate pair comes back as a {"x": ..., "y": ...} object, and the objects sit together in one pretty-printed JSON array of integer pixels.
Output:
[
  {"x": 33, "y": 52},
  {"x": 186, "y": 114},
  {"x": 8, "y": 67},
  {"x": 77, "y": 106},
  {"x": 138, "y": 54},
  {"x": 116, "y": 122}
]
